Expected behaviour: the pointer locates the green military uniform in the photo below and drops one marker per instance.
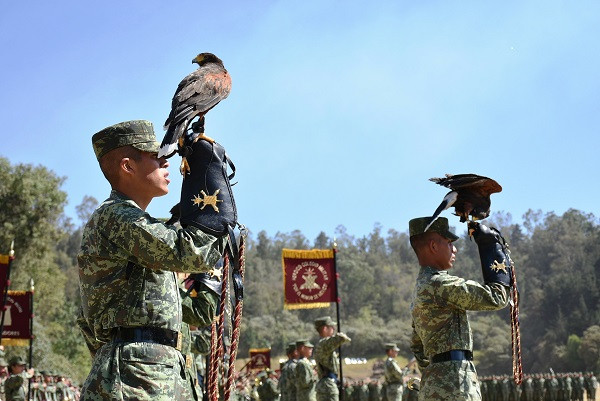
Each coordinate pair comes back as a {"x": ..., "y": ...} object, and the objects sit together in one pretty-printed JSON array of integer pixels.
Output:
[
  {"x": 442, "y": 341},
  {"x": 327, "y": 361},
  {"x": 393, "y": 376},
  {"x": 3, "y": 374},
  {"x": 198, "y": 309},
  {"x": 49, "y": 390},
  {"x": 287, "y": 387},
  {"x": 15, "y": 386},
  {"x": 305, "y": 377},
  {"x": 374, "y": 390},
  {"x": 267, "y": 390},
  {"x": 131, "y": 309}
]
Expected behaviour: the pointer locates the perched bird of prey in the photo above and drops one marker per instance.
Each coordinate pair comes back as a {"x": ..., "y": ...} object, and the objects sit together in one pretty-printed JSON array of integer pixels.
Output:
[
  {"x": 196, "y": 94},
  {"x": 470, "y": 196}
]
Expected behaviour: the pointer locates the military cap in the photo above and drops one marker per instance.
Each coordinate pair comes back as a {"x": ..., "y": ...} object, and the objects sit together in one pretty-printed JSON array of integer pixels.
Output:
[
  {"x": 290, "y": 347},
  {"x": 440, "y": 225},
  {"x": 391, "y": 346},
  {"x": 324, "y": 321},
  {"x": 137, "y": 133},
  {"x": 3, "y": 362},
  {"x": 16, "y": 360},
  {"x": 304, "y": 342}
]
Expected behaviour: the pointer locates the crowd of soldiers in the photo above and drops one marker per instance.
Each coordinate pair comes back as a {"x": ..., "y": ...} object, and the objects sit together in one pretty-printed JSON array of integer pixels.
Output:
[
  {"x": 303, "y": 379},
  {"x": 540, "y": 387},
  {"x": 17, "y": 383}
]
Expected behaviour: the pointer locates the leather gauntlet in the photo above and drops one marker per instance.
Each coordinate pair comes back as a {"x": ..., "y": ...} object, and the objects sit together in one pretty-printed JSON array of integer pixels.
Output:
[
  {"x": 496, "y": 264},
  {"x": 206, "y": 196}
]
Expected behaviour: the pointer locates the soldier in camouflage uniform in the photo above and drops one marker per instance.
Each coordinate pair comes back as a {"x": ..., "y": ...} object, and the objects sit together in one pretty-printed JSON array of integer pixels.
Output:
[
  {"x": 304, "y": 374},
  {"x": 442, "y": 341},
  {"x": 287, "y": 386},
  {"x": 131, "y": 308},
  {"x": 327, "y": 359},
  {"x": 393, "y": 374},
  {"x": 3, "y": 375},
  {"x": 267, "y": 390},
  {"x": 198, "y": 306},
  {"x": 374, "y": 390},
  {"x": 15, "y": 386}
]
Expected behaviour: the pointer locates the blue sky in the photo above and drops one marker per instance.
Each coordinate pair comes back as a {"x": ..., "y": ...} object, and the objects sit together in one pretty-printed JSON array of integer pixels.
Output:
[{"x": 340, "y": 111}]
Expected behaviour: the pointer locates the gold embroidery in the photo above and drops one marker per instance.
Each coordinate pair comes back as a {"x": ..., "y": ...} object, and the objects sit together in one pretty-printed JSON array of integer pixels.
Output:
[
  {"x": 210, "y": 200},
  {"x": 498, "y": 266}
]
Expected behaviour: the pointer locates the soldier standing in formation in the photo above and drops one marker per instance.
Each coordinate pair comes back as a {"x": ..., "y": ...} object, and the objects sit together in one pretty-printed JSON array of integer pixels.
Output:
[
  {"x": 287, "y": 384},
  {"x": 15, "y": 386},
  {"x": 131, "y": 308},
  {"x": 442, "y": 341},
  {"x": 327, "y": 359},
  {"x": 267, "y": 389},
  {"x": 304, "y": 373},
  {"x": 393, "y": 374}
]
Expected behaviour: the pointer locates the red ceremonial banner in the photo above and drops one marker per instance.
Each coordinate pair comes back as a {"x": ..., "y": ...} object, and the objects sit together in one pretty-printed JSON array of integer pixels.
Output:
[
  {"x": 16, "y": 330},
  {"x": 260, "y": 358},
  {"x": 308, "y": 278}
]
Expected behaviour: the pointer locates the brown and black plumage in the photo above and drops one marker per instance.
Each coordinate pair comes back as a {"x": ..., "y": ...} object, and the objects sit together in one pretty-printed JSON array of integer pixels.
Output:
[
  {"x": 196, "y": 94},
  {"x": 470, "y": 195}
]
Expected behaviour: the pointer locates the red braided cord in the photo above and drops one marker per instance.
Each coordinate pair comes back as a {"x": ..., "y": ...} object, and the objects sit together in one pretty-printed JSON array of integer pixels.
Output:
[
  {"x": 237, "y": 323},
  {"x": 515, "y": 331}
]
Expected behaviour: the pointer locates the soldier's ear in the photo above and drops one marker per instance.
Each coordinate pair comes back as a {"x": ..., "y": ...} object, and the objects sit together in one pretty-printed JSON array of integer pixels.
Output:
[{"x": 127, "y": 165}]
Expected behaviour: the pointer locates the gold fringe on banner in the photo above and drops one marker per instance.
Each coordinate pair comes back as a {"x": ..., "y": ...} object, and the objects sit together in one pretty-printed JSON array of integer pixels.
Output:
[
  {"x": 4, "y": 259},
  {"x": 259, "y": 349},
  {"x": 307, "y": 306},
  {"x": 16, "y": 342},
  {"x": 307, "y": 254}
]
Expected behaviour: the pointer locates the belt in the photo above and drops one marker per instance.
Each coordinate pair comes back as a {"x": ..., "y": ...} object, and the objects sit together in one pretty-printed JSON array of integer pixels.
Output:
[
  {"x": 331, "y": 375},
  {"x": 453, "y": 355},
  {"x": 148, "y": 335}
]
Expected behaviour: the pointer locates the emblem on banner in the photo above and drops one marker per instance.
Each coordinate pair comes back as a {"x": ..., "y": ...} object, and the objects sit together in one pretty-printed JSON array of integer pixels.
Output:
[{"x": 310, "y": 280}]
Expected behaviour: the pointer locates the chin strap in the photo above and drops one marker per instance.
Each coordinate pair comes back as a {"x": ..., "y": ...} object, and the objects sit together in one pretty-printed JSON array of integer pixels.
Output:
[{"x": 235, "y": 263}]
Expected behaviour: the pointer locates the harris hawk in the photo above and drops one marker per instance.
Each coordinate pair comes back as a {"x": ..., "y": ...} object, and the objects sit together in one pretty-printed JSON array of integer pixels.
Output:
[
  {"x": 196, "y": 94},
  {"x": 470, "y": 196}
]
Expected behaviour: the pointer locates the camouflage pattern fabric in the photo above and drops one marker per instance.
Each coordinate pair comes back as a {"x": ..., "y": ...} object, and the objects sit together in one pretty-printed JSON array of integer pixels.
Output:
[
  {"x": 197, "y": 310},
  {"x": 305, "y": 380},
  {"x": 374, "y": 391},
  {"x": 393, "y": 378},
  {"x": 126, "y": 266},
  {"x": 267, "y": 391},
  {"x": 15, "y": 387},
  {"x": 327, "y": 361},
  {"x": 440, "y": 324},
  {"x": 287, "y": 387}
]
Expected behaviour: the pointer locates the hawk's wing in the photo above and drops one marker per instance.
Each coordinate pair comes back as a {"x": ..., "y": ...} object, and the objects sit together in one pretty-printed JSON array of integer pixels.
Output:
[{"x": 473, "y": 193}]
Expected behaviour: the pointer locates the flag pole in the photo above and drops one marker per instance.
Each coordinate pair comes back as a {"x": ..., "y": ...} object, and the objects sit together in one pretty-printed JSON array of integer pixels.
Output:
[
  {"x": 31, "y": 290},
  {"x": 337, "y": 309},
  {"x": 11, "y": 256}
]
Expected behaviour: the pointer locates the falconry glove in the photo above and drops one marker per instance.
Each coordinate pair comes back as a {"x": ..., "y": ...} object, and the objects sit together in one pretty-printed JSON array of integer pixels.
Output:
[
  {"x": 496, "y": 264},
  {"x": 206, "y": 196}
]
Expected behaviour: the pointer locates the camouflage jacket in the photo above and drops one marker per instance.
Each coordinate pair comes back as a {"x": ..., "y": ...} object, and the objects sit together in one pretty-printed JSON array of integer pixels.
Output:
[
  {"x": 126, "y": 266},
  {"x": 392, "y": 372},
  {"x": 325, "y": 355},
  {"x": 287, "y": 386},
  {"x": 439, "y": 306},
  {"x": 305, "y": 380}
]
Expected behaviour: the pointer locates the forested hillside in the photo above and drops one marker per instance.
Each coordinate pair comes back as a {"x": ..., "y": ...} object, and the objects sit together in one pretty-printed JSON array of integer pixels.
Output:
[{"x": 557, "y": 260}]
